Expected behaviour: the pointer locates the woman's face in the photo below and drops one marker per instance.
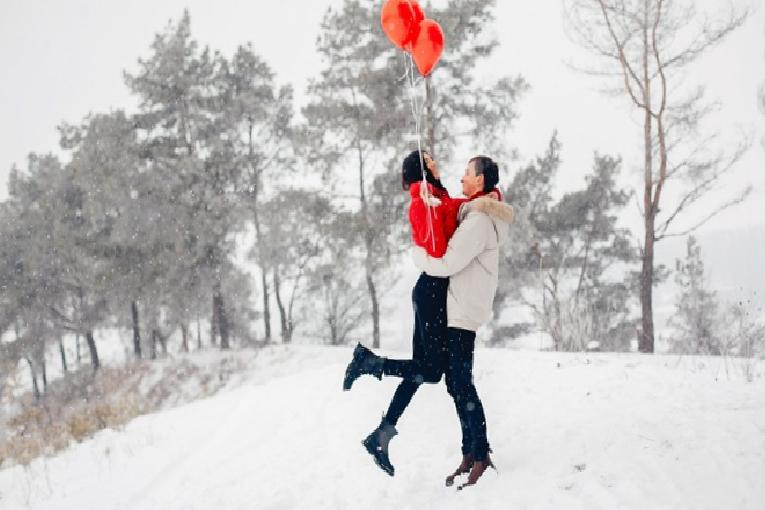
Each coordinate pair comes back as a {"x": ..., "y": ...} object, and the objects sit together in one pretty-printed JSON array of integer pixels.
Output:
[{"x": 430, "y": 163}]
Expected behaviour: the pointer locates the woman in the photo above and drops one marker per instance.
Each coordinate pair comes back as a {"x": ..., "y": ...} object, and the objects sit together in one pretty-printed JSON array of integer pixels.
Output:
[{"x": 433, "y": 218}]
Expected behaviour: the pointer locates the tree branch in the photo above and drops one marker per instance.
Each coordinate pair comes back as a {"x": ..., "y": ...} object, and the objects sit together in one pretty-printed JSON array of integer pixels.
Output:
[
  {"x": 744, "y": 194},
  {"x": 627, "y": 70}
]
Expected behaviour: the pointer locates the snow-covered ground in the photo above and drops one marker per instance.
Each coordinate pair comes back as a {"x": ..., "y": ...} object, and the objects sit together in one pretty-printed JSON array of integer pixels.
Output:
[{"x": 569, "y": 431}]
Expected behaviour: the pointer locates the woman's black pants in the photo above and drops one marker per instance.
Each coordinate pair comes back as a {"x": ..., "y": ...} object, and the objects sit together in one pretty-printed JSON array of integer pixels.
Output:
[{"x": 429, "y": 344}]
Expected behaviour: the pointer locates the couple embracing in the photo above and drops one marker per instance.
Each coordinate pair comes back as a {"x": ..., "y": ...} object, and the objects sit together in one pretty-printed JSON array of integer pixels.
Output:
[{"x": 457, "y": 244}]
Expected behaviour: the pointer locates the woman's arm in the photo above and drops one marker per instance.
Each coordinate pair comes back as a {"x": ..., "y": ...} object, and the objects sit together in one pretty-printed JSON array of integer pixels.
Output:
[{"x": 428, "y": 229}]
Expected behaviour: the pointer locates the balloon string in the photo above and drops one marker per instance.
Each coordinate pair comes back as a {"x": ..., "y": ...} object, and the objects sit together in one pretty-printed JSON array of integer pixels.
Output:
[{"x": 417, "y": 113}]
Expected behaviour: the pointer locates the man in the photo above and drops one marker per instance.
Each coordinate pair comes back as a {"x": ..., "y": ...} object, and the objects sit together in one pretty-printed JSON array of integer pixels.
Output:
[{"x": 471, "y": 262}]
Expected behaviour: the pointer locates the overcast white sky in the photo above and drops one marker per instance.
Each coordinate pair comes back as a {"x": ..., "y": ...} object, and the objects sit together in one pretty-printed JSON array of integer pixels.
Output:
[{"x": 64, "y": 59}]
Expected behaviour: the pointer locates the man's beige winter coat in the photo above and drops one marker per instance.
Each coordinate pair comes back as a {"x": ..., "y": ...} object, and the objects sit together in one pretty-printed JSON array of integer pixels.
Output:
[{"x": 471, "y": 261}]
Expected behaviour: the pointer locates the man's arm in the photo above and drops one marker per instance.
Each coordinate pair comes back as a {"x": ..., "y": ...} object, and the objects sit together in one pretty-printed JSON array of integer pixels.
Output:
[{"x": 468, "y": 241}]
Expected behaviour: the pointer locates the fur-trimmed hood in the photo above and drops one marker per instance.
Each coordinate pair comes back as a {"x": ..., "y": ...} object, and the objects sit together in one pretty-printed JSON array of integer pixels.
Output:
[
  {"x": 500, "y": 213},
  {"x": 494, "y": 208}
]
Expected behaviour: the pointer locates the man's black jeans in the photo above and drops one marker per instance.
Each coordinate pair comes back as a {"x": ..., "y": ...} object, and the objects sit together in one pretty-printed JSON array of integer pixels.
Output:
[{"x": 459, "y": 384}]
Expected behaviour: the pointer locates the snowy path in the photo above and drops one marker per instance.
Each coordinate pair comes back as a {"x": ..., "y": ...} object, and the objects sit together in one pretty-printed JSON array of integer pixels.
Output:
[{"x": 617, "y": 431}]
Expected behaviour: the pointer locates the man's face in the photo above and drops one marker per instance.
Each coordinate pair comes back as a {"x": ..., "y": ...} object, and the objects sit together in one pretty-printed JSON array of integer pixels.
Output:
[{"x": 471, "y": 183}]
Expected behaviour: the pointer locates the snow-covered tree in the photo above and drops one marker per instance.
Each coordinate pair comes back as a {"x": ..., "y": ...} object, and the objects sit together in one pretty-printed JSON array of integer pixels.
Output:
[
  {"x": 52, "y": 276},
  {"x": 697, "y": 311},
  {"x": 293, "y": 225},
  {"x": 258, "y": 115},
  {"x": 568, "y": 257},
  {"x": 333, "y": 288},
  {"x": 190, "y": 118}
]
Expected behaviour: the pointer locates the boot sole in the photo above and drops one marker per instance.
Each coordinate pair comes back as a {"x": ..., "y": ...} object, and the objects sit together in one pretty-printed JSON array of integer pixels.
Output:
[
  {"x": 468, "y": 484},
  {"x": 453, "y": 478},
  {"x": 347, "y": 382},
  {"x": 372, "y": 451}
]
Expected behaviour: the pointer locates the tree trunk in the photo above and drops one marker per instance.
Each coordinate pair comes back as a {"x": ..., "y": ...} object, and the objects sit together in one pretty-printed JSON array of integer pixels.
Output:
[
  {"x": 162, "y": 342},
  {"x": 92, "y": 349},
  {"x": 185, "y": 337},
  {"x": 280, "y": 305},
  {"x": 258, "y": 236},
  {"x": 63, "y": 355},
  {"x": 43, "y": 372},
  {"x": 35, "y": 387},
  {"x": 199, "y": 333},
  {"x": 646, "y": 342},
  {"x": 263, "y": 273},
  {"x": 213, "y": 326},
  {"x": 646, "y": 275},
  {"x": 266, "y": 304},
  {"x": 375, "y": 310},
  {"x": 153, "y": 344},
  {"x": 136, "y": 330},
  {"x": 333, "y": 333},
  {"x": 220, "y": 314},
  {"x": 290, "y": 308},
  {"x": 369, "y": 248}
]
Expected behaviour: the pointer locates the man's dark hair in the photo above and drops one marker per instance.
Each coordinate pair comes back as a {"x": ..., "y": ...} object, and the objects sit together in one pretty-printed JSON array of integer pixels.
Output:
[
  {"x": 486, "y": 166},
  {"x": 411, "y": 170}
]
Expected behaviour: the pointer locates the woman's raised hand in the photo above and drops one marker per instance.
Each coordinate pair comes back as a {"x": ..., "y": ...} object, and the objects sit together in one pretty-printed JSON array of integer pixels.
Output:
[{"x": 431, "y": 165}]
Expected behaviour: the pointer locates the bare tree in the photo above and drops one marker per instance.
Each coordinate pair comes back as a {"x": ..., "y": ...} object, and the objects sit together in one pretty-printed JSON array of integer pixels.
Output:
[{"x": 646, "y": 44}]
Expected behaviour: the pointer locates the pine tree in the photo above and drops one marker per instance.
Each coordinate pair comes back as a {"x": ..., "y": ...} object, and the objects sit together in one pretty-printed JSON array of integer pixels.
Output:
[
  {"x": 55, "y": 278},
  {"x": 108, "y": 162},
  {"x": 185, "y": 96},
  {"x": 697, "y": 313},
  {"x": 258, "y": 115},
  {"x": 557, "y": 262}
]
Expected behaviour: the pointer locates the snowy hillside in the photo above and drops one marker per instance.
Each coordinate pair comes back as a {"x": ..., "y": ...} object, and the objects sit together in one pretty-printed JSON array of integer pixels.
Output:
[{"x": 569, "y": 431}]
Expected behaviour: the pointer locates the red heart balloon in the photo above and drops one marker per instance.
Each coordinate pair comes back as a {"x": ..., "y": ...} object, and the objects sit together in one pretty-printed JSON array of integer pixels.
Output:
[
  {"x": 400, "y": 21},
  {"x": 428, "y": 46}
]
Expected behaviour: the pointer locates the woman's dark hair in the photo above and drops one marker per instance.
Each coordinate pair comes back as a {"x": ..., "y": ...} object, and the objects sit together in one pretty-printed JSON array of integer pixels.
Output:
[
  {"x": 486, "y": 166},
  {"x": 411, "y": 170}
]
